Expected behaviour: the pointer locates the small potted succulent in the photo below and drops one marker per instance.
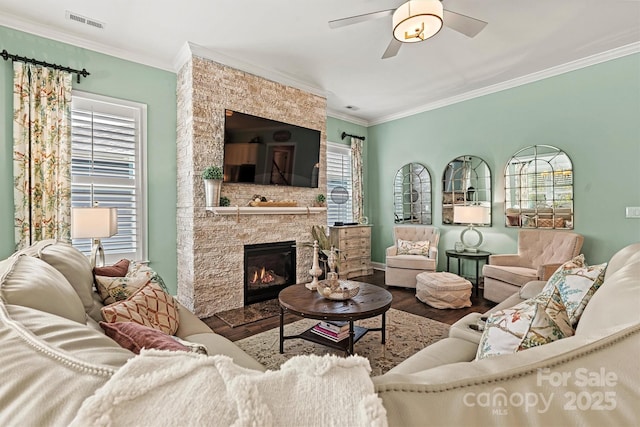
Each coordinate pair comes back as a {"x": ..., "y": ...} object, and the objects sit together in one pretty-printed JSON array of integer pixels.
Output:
[
  {"x": 320, "y": 200},
  {"x": 224, "y": 201},
  {"x": 212, "y": 177}
]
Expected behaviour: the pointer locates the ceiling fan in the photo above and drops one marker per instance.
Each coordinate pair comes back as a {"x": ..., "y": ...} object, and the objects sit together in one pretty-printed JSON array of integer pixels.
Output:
[{"x": 415, "y": 21}]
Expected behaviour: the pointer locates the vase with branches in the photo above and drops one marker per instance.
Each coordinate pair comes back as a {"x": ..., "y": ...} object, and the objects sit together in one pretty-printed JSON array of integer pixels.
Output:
[{"x": 325, "y": 249}]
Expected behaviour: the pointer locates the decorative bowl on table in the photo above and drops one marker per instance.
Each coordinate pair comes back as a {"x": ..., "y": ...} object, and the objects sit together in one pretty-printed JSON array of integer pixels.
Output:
[{"x": 338, "y": 290}]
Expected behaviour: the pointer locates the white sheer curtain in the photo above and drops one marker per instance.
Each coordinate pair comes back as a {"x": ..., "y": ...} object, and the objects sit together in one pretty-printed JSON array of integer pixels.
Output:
[{"x": 356, "y": 167}]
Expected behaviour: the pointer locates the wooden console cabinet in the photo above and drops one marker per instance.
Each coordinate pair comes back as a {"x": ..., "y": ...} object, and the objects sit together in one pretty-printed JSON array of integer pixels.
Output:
[{"x": 354, "y": 244}]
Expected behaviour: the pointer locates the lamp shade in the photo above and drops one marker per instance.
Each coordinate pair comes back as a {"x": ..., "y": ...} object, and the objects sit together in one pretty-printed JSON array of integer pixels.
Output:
[
  {"x": 471, "y": 214},
  {"x": 417, "y": 20},
  {"x": 93, "y": 223}
]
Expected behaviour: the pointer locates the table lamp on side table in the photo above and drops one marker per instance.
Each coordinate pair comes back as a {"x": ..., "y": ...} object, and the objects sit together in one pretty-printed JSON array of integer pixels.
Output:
[
  {"x": 94, "y": 223},
  {"x": 471, "y": 215}
]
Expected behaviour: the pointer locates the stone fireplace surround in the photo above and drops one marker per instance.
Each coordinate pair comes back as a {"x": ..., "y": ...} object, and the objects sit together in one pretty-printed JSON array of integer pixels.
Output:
[{"x": 210, "y": 246}]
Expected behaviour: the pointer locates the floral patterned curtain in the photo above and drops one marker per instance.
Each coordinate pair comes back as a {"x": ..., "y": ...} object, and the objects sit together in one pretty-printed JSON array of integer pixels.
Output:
[
  {"x": 356, "y": 174},
  {"x": 41, "y": 153}
]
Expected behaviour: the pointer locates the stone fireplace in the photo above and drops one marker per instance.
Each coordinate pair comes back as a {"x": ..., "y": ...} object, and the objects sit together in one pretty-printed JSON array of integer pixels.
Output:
[{"x": 210, "y": 244}]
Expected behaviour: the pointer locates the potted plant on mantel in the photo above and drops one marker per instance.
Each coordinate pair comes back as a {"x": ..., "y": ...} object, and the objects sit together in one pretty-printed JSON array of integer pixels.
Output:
[
  {"x": 212, "y": 183},
  {"x": 320, "y": 200}
]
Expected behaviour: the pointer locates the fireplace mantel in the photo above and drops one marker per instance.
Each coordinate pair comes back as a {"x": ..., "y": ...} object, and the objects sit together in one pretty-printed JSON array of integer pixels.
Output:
[{"x": 250, "y": 210}]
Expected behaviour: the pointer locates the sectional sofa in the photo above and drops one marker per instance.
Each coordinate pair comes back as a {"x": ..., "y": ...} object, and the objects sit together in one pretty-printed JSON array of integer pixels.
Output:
[{"x": 53, "y": 356}]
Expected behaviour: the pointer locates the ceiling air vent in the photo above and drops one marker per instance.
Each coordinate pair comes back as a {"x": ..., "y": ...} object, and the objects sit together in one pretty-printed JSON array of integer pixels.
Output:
[{"x": 84, "y": 20}]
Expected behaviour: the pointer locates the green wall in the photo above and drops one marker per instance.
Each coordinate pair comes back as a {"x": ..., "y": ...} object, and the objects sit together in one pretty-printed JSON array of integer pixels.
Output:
[
  {"x": 119, "y": 79},
  {"x": 593, "y": 114}
]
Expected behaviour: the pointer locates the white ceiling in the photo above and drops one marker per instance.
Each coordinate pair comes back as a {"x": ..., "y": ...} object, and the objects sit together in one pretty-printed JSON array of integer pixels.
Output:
[{"x": 290, "y": 41}]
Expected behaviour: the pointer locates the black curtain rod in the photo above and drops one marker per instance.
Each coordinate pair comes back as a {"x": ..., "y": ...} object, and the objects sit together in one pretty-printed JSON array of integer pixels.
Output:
[
  {"x": 6, "y": 56},
  {"x": 352, "y": 136}
]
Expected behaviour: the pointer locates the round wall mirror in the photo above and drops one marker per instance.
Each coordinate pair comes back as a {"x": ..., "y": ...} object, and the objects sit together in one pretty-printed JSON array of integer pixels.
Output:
[
  {"x": 412, "y": 194},
  {"x": 539, "y": 188},
  {"x": 466, "y": 192}
]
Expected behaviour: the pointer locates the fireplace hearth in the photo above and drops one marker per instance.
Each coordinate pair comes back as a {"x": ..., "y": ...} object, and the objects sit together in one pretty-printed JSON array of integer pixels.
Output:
[{"x": 268, "y": 268}]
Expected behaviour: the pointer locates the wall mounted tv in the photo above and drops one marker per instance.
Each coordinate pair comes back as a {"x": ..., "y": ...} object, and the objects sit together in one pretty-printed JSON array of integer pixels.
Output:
[{"x": 268, "y": 152}]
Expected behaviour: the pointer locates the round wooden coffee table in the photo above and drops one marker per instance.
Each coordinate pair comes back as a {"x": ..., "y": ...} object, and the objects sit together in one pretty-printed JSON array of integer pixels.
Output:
[{"x": 371, "y": 301}]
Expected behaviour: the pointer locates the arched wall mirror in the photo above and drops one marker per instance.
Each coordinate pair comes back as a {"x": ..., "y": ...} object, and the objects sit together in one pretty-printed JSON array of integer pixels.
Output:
[
  {"x": 412, "y": 194},
  {"x": 466, "y": 181},
  {"x": 539, "y": 188}
]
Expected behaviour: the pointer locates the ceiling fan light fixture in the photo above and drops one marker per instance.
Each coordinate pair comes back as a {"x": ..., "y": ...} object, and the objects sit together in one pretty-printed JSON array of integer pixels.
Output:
[{"x": 417, "y": 20}]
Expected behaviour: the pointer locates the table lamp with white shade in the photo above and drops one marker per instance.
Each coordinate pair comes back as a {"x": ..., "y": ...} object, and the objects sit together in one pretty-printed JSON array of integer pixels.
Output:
[
  {"x": 472, "y": 214},
  {"x": 94, "y": 223}
]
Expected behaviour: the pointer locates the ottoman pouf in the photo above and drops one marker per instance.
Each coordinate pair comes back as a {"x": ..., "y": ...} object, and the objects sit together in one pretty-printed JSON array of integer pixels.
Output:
[{"x": 443, "y": 290}]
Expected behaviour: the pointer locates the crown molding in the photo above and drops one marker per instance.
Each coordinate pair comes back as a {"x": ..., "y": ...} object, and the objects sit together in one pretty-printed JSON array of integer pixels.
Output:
[
  {"x": 347, "y": 118},
  {"x": 518, "y": 81},
  {"x": 182, "y": 57},
  {"x": 189, "y": 49},
  {"x": 250, "y": 68},
  {"x": 21, "y": 24}
]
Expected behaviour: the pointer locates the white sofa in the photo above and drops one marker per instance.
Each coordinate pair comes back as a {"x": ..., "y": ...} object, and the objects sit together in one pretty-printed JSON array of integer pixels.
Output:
[
  {"x": 53, "y": 356},
  {"x": 590, "y": 379},
  {"x": 53, "y": 353}
]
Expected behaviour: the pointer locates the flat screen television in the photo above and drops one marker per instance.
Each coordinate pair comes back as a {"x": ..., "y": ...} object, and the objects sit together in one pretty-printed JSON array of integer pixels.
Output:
[{"x": 268, "y": 152}]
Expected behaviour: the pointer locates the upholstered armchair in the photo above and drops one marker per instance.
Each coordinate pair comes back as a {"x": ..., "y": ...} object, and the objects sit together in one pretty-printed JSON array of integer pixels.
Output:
[
  {"x": 540, "y": 253},
  {"x": 402, "y": 268}
]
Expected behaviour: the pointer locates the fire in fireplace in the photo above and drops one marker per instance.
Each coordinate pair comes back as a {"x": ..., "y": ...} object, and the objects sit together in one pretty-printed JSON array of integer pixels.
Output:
[{"x": 268, "y": 268}]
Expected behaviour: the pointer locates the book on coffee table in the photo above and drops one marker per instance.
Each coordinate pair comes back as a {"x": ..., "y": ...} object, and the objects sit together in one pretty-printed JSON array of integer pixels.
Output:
[
  {"x": 330, "y": 335},
  {"x": 334, "y": 326}
]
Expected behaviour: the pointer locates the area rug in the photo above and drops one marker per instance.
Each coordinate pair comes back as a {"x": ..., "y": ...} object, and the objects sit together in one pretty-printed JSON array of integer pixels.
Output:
[
  {"x": 406, "y": 335},
  {"x": 251, "y": 313}
]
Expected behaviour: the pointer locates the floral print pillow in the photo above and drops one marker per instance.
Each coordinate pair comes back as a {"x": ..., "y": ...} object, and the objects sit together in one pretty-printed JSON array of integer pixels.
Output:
[
  {"x": 576, "y": 282},
  {"x": 136, "y": 275},
  {"x": 112, "y": 289},
  {"x": 408, "y": 247},
  {"x": 136, "y": 268},
  {"x": 536, "y": 321}
]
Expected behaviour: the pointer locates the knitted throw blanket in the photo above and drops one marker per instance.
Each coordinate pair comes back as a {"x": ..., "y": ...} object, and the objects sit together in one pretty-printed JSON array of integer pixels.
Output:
[{"x": 163, "y": 388}]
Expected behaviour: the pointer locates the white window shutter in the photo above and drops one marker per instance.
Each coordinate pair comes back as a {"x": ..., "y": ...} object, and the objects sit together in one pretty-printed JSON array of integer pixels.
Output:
[
  {"x": 339, "y": 179},
  {"x": 107, "y": 166}
]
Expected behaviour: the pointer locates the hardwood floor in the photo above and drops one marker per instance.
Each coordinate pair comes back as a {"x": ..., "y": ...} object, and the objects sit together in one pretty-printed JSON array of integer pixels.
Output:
[{"x": 403, "y": 299}]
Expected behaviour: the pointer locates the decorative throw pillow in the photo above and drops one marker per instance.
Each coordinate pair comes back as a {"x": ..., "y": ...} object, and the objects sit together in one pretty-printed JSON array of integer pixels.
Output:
[
  {"x": 513, "y": 220},
  {"x": 529, "y": 221},
  {"x": 545, "y": 222},
  {"x": 576, "y": 282},
  {"x": 149, "y": 306},
  {"x": 551, "y": 222},
  {"x": 137, "y": 268},
  {"x": 135, "y": 337},
  {"x": 119, "y": 269},
  {"x": 112, "y": 289},
  {"x": 193, "y": 347},
  {"x": 533, "y": 322},
  {"x": 407, "y": 247}
]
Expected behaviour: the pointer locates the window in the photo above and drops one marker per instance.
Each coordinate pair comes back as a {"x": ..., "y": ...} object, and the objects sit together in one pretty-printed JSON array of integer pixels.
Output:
[
  {"x": 108, "y": 140},
  {"x": 339, "y": 184}
]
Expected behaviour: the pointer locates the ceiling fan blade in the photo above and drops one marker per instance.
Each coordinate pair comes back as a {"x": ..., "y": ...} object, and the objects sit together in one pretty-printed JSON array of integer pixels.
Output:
[
  {"x": 337, "y": 23},
  {"x": 464, "y": 24},
  {"x": 392, "y": 49}
]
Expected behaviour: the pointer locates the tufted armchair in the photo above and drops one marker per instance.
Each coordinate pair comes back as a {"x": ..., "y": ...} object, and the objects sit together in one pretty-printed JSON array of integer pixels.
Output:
[
  {"x": 402, "y": 269},
  {"x": 540, "y": 253}
]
